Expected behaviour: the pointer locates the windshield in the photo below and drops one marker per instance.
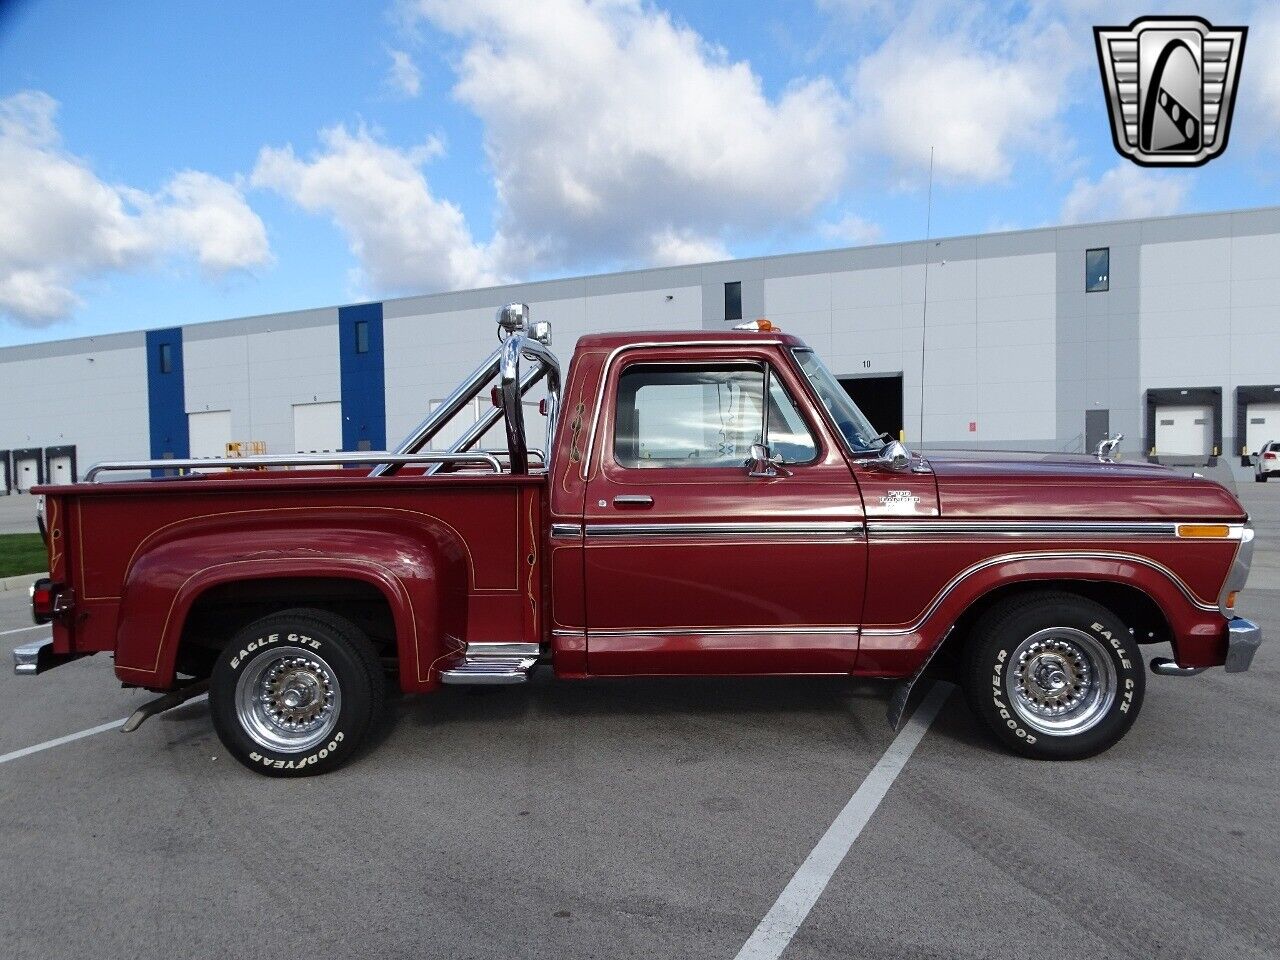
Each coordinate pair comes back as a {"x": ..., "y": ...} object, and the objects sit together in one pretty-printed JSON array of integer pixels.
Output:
[{"x": 853, "y": 426}]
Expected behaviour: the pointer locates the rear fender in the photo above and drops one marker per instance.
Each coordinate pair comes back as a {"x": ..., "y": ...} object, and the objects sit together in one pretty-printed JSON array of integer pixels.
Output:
[{"x": 422, "y": 578}]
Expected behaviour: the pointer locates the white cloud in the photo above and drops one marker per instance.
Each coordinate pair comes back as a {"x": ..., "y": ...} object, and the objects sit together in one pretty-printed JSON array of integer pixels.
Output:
[
  {"x": 60, "y": 225},
  {"x": 851, "y": 230},
  {"x": 671, "y": 249},
  {"x": 1261, "y": 70},
  {"x": 405, "y": 239},
  {"x": 1125, "y": 192},
  {"x": 946, "y": 79},
  {"x": 617, "y": 134},
  {"x": 403, "y": 76}
]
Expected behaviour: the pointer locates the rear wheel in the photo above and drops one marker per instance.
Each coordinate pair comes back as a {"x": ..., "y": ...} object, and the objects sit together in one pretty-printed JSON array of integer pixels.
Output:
[
  {"x": 1055, "y": 676},
  {"x": 295, "y": 693}
]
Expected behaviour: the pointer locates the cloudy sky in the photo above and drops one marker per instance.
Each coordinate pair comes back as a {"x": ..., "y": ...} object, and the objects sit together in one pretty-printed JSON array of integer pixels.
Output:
[{"x": 178, "y": 161}]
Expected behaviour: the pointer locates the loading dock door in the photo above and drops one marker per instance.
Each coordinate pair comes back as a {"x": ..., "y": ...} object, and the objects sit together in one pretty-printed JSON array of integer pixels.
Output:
[
  {"x": 209, "y": 433},
  {"x": 317, "y": 427},
  {"x": 1262, "y": 425},
  {"x": 6, "y": 477},
  {"x": 1184, "y": 431},
  {"x": 61, "y": 464},
  {"x": 26, "y": 470},
  {"x": 880, "y": 400}
]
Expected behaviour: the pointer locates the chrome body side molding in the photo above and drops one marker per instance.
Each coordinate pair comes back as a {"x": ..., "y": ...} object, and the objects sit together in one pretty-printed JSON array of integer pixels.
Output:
[
  {"x": 1090, "y": 529},
  {"x": 767, "y": 530}
]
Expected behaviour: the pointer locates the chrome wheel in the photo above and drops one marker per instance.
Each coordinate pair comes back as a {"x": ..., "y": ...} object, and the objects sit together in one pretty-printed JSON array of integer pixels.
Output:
[
  {"x": 1061, "y": 681},
  {"x": 288, "y": 700}
]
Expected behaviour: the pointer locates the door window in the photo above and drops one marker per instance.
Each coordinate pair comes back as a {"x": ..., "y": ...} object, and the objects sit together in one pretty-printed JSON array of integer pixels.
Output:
[{"x": 677, "y": 415}]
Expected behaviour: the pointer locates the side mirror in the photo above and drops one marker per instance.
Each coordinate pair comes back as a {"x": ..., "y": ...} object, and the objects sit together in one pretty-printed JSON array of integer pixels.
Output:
[
  {"x": 894, "y": 456},
  {"x": 760, "y": 464}
]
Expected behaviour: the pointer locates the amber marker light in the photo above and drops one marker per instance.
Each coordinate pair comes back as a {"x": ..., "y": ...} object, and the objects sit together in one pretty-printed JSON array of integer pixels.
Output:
[
  {"x": 1231, "y": 599},
  {"x": 1204, "y": 531},
  {"x": 759, "y": 326}
]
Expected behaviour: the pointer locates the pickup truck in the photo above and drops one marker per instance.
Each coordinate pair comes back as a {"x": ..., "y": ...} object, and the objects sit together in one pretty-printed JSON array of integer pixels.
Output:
[{"x": 706, "y": 503}]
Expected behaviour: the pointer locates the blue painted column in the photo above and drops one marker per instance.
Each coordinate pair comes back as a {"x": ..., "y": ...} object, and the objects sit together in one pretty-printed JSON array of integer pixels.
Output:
[
  {"x": 363, "y": 365},
  {"x": 167, "y": 396}
]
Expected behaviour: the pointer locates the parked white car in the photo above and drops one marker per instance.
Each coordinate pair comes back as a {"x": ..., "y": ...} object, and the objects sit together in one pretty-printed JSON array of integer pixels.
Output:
[{"x": 1266, "y": 462}]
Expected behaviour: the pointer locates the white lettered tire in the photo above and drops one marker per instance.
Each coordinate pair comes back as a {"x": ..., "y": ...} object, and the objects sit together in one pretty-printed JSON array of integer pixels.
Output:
[
  {"x": 295, "y": 693},
  {"x": 1054, "y": 675}
]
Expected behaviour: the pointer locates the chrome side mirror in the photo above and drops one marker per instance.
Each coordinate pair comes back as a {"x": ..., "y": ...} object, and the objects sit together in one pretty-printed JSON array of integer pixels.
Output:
[
  {"x": 1107, "y": 446},
  {"x": 760, "y": 464},
  {"x": 893, "y": 456}
]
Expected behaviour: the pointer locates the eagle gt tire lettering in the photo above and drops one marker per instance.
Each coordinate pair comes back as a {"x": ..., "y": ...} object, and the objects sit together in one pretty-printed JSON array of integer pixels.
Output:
[
  {"x": 1054, "y": 676},
  {"x": 295, "y": 693}
]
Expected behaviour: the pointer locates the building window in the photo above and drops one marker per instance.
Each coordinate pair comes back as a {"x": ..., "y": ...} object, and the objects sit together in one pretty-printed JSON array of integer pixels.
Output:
[
  {"x": 362, "y": 336},
  {"x": 1097, "y": 270},
  {"x": 733, "y": 300},
  {"x": 166, "y": 358}
]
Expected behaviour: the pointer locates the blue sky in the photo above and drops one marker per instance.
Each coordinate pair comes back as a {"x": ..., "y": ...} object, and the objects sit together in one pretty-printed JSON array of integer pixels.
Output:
[{"x": 166, "y": 163}]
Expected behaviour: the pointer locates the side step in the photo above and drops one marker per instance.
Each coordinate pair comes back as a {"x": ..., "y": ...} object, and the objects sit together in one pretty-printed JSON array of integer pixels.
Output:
[{"x": 494, "y": 664}]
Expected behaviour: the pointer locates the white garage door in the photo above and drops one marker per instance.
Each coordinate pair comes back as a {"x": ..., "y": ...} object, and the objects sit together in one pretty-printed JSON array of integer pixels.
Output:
[
  {"x": 60, "y": 470},
  {"x": 317, "y": 427},
  {"x": 209, "y": 433},
  {"x": 26, "y": 474},
  {"x": 1262, "y": 425},
  {"x": 1184, "y": 431}
]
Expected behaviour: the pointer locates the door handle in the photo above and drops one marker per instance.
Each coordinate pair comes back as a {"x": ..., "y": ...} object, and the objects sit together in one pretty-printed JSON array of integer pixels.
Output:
[{"x": 633, "y": 500}]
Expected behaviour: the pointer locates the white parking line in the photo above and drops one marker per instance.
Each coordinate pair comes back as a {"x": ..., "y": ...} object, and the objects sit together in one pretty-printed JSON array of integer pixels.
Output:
[
  {"x": 794, "y": 903},
  {"x": 69, "y": 738},
  {"x": 6, "y": 633},
  {"x": 72, "y": 737}
]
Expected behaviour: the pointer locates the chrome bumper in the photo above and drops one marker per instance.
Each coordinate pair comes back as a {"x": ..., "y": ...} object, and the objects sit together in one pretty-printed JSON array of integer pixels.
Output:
[
  {"x": 1243, "y": 638},
  {"x": 32, "y": 658}
]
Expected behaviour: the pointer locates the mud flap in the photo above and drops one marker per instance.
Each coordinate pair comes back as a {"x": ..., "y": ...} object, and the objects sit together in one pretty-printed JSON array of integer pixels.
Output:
[{"x": 901, "y": 695}]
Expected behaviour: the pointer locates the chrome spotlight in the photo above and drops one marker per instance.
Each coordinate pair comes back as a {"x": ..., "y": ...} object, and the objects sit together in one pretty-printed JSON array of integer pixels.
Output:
[{"x": 513, "y": 318}]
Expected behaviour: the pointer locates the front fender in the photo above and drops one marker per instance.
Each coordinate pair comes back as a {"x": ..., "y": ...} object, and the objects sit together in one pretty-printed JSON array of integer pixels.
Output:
[
  {"x": 421, "y": 571},
  {"x": 899, "y": 649}
]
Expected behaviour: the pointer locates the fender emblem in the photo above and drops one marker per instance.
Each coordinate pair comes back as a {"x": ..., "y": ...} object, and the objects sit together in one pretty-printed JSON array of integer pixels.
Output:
[{"x": 898, "y": 498}]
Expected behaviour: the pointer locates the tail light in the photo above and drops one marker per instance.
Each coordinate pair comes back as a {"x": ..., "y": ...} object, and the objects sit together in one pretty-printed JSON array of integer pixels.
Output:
[
  {"x": 1268, "y": 456},
  {"x": 50, "y": 600},
  {"x": 43, "y": 598}
]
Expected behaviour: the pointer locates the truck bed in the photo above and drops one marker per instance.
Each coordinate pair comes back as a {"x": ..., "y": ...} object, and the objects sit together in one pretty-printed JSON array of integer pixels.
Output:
[{"x": 457, "y": 557}]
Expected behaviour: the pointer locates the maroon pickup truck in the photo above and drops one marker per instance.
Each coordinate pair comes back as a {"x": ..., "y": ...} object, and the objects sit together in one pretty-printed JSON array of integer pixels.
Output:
[{"x": 707, "y": 503}]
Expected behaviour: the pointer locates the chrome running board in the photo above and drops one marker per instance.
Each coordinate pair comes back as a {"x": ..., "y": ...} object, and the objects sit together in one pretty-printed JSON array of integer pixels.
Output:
[{"x": 493, "y": 664}]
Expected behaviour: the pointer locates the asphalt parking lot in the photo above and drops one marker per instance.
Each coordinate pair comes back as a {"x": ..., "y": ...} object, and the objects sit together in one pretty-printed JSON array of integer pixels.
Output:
[{"x": 645, "y": 818}]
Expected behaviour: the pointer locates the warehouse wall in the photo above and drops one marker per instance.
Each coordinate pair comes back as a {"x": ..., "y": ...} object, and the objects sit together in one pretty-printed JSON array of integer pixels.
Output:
[
  {"x": 1015, "y": 350},
  {"x": 90, "y": 393}
]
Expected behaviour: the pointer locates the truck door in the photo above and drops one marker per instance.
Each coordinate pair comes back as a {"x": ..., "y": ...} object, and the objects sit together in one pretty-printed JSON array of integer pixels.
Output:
[{"x": 693, "y": 565}]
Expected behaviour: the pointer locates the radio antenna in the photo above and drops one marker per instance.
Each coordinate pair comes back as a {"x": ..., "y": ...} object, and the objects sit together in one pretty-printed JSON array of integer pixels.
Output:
[{"x": 924, "y": 312}]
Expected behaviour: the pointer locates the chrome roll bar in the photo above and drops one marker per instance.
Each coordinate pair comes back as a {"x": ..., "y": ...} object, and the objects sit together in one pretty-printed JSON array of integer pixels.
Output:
[
  {"x": 293, "y": 460},
  {"x": 512, "y": 389},
  {"x": 520, "y": 338}
]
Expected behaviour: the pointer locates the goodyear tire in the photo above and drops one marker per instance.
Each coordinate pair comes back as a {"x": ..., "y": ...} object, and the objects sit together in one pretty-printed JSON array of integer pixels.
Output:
[
  {"x": 1055, "y": 676},
  {"x": 295, "y": 693}
]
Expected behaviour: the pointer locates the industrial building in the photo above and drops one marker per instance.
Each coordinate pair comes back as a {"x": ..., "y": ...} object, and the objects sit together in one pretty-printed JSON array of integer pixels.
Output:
[{"x": 1162, "y": 329}]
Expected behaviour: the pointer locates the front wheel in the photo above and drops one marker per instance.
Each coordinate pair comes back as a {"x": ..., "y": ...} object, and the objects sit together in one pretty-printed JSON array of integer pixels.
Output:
[
  {"x": 1055, "y": 676},
  {"x": 295, "y": 693}
]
